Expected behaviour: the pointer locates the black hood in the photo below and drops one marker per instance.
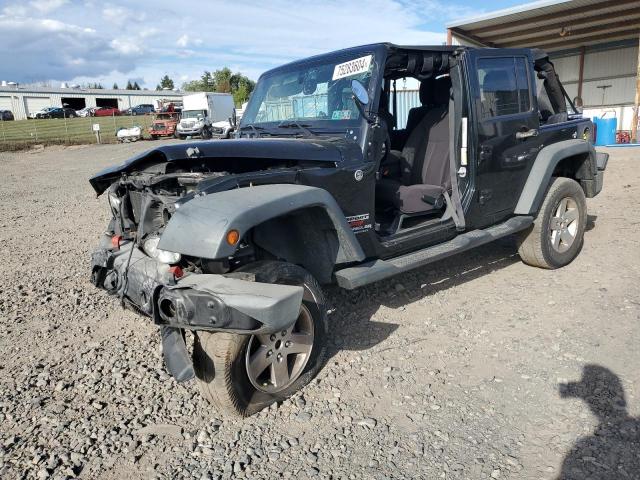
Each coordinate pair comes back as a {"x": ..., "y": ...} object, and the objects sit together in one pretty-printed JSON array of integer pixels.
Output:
[{"x": 311, "y": 149}]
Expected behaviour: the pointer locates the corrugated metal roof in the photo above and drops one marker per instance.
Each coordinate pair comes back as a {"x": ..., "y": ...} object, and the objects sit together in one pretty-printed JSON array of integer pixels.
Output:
[{"x": 554, "y": 24}]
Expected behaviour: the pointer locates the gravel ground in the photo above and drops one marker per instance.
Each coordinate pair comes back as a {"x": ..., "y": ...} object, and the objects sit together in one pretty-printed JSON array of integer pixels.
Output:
[{"x": 453, "y": 371}]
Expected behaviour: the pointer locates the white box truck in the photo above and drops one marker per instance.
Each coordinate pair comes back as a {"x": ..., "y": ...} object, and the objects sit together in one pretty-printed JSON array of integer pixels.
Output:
[{"x": 201, "y": 110}]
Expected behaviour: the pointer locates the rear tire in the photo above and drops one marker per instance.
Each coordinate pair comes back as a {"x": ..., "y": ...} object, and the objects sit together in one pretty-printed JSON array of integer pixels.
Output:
[
  {"x": 557, "y": 234},
  {"x": 222, "y": 360}
]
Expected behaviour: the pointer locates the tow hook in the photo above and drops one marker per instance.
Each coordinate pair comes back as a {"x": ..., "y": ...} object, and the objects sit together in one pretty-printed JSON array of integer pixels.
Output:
[{"x": 176, "y": 358}]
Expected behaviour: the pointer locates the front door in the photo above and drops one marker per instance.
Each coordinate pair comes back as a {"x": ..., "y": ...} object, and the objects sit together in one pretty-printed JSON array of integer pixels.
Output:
[{"x": 507, "y": 123}]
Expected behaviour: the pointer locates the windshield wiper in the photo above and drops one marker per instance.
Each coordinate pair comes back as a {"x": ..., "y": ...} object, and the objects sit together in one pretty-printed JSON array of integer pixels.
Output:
[
  {"x": 252, "y": 127},
  {"x": 303, "y": 127}
]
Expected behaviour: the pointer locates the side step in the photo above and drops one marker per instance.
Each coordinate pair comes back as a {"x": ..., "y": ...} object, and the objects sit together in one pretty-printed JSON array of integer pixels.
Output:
[{"x": 376, "y": 270}]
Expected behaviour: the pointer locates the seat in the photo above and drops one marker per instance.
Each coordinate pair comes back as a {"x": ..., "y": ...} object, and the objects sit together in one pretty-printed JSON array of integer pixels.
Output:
[
  {"x": 416, "y": 114},
  {"x": 424, "y": 161}
]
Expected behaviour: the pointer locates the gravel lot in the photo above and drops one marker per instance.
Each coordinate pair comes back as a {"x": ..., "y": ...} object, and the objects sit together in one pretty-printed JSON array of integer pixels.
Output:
[{"x": 454, "y": 371}]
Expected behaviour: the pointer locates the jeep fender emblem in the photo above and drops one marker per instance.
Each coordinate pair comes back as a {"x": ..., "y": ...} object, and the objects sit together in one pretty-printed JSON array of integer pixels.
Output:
[{"x": 358, "y": 175}]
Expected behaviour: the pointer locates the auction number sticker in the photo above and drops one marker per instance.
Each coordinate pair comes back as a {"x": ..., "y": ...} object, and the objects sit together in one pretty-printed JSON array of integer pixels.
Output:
[
  {"x": 352, "y": 67},
  {"x": 359, "y": 223}
]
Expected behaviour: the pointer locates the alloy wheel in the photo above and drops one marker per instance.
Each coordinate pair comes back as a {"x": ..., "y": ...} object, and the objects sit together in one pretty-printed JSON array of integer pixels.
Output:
[{"x": 274, "y": 361}]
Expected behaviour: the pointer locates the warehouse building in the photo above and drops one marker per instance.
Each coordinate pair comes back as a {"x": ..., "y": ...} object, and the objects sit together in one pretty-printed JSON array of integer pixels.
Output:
[
  {"x": 25, "y": 100},
  {"x": 593, "y": 44}
]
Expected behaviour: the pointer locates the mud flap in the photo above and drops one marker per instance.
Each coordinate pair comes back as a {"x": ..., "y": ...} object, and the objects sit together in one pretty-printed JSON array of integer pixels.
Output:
[{"x": 176, "y": 358}]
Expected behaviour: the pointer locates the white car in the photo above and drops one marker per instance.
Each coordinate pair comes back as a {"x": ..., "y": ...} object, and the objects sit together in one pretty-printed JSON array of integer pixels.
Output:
[
  {"x": 39, "y": 112},
  {"x": 85, "y": 112},
  {"x": 221, "y": 129}
]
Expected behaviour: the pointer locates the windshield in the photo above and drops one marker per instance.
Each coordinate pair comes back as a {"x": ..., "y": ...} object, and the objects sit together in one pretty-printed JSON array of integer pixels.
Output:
[
  {"x": 318, "y": 92},
  {"x": 194, "y": 113}
]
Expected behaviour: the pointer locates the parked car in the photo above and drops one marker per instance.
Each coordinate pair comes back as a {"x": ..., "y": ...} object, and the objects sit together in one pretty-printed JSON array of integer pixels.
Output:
[
  {"x": 222, "y": 129},
  {"x": 58, "y": 112},
  {"x": 85, "y": 112},
  {"x": 43, "y": 110},
  {"x": 233, "y": 240},
  {"x": 142, "y": 109},
  {"x": 106, "y": 112},
  {"x": 6, "y": 115}
]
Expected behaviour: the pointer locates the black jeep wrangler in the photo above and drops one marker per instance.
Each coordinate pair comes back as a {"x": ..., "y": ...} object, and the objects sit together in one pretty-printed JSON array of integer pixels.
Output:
[{"x": 232, "y": 240}]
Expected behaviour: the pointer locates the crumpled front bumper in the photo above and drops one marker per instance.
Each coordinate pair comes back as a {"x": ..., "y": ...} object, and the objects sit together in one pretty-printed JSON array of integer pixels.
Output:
[{"x": 194, "y": 301}]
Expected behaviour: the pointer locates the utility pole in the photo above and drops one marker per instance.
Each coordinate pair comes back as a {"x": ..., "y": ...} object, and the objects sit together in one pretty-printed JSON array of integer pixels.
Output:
[{"x": 634, "y": 126}]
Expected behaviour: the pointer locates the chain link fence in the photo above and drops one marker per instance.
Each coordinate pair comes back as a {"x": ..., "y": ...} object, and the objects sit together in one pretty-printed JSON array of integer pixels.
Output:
[{"x": 20, "y": 134}]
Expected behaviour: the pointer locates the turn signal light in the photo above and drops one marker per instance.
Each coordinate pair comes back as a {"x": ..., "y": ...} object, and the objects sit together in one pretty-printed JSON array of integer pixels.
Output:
[
  {"x": 232, "y": 237},
  {"x": 177, "y": 271},
  {"x": 115, "y": 241}
]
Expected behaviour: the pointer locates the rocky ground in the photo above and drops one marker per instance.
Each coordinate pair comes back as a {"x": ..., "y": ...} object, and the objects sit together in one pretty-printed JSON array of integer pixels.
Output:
[{"x": 453, "y": 371}]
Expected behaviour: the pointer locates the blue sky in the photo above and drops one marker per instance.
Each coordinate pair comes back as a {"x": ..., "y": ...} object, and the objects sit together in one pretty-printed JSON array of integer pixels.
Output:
[{"x": 113, "y": 41}]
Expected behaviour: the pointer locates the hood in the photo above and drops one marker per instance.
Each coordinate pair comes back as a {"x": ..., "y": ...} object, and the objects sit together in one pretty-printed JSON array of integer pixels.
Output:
[
  {"x": 221, "y": 124},
  {"x": 312, "y": 149}
]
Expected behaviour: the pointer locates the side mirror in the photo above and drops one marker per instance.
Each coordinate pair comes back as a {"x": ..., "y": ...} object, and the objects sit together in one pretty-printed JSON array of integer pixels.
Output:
[
  {"x": 577, "y": 102},
  {"x": 359, "y": 92}
]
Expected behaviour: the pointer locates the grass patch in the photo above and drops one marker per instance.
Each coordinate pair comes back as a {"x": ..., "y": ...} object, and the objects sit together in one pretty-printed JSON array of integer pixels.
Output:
[{"x": 22, "y": 134}]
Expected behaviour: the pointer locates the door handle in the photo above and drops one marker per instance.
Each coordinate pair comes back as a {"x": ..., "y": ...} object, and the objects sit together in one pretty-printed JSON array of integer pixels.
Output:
[{"x": 526, "y": 134}]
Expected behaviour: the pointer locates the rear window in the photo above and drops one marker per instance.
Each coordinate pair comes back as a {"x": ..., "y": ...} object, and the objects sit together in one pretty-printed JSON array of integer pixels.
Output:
[{"x": 504, "y": 86}]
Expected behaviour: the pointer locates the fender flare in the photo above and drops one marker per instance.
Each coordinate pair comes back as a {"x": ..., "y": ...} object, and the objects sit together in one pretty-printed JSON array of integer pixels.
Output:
[
  {"x": 199, "y": 226},
  {"x": 545, "y": 163}
]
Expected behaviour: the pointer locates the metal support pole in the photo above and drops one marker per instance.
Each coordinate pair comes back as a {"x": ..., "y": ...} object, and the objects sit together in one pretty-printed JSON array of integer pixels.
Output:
[
  {"x": 581, "y": 73},
  {"x": 66, "y": 128},
  {"x": 634, "y": 125}
]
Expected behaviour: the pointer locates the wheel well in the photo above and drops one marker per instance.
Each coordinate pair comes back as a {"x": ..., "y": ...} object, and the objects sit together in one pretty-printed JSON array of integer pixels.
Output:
[
  {"x": 576, "y": 167},
  {"x": 305, "y": 237}
]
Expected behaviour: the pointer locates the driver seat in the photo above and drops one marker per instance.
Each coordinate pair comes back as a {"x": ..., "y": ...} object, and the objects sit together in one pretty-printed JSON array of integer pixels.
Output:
[{"x": 424, "y": 174}]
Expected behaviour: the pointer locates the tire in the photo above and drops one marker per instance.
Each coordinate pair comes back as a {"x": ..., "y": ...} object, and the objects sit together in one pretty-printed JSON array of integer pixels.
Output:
[
  {"x": 206, "y": 133},
  {"x": 182, "y": 137},
  {"x": 221, "y": 360},
  {"x": 557, "y": 234}
]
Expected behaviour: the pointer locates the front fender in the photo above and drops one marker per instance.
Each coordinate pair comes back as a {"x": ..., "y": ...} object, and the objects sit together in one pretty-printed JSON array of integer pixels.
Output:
[
  {"x": 548, "y": 158},
  {"x": 199, "y": 227}
]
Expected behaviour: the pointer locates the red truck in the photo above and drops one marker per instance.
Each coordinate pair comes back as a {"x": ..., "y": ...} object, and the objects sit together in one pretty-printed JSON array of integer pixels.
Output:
[{"x": 164, "y": 124}]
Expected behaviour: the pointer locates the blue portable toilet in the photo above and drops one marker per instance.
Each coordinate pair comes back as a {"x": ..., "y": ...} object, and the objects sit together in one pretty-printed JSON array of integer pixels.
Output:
[{"x": 605, "y": 130}]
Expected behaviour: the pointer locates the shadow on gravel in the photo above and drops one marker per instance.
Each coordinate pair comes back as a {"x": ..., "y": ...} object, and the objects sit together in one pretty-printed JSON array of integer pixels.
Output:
[
  {"x": 613, "y": 451},
  {"x": 591, "y": 222},
  {"x": 352, "y": 327}
]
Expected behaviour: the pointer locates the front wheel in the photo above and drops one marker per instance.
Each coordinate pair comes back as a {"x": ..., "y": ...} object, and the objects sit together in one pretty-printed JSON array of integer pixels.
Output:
[
  {"x": 242, "y": 374},
  {"x": 557, "y": 234}
]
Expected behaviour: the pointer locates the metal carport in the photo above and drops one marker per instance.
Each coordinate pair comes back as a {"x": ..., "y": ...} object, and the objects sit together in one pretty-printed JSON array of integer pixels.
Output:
[{"x": 594, "y": 43}]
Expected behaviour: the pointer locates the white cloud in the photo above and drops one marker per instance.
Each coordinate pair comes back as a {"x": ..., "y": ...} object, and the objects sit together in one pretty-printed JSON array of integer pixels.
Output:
[
  {"x": 47, "y": 6},
  {"x": 112, "y": 41},
  {"x": 126, "y": 46}
]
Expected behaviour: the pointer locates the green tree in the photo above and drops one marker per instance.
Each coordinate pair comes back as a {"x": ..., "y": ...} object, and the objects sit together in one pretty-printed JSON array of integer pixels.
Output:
[
  {"x": 129, "y": 85},
  {"x": 115, "y": 86},
  {"x": 224, "y": 81},
  {"x": 136, "y": 86},
  {"x": 165, "y": 82}
]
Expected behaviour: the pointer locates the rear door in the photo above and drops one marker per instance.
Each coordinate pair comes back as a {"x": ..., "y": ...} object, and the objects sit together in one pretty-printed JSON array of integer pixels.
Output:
[{"x": 506, "y": 129}]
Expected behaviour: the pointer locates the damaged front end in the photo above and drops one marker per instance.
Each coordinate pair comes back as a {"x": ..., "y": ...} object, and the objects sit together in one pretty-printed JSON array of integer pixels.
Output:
[
  {"x": 175, "y": 300},
  {"x": 181, "y": 291}
]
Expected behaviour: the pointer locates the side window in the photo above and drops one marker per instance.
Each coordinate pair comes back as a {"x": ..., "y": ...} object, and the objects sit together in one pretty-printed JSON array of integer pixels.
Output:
[{"x": 504, "y": 86}]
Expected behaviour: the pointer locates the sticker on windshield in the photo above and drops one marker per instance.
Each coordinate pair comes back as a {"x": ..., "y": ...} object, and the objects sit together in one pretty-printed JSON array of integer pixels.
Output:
[
  {"x": 341, "y": 115},
  {"x": 352, "y": 67}
]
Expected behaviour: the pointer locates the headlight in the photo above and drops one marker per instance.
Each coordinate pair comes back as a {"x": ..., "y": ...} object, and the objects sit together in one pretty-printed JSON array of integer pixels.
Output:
[
  {"x": 114, "y": 203},
  {"x": 151, "y": 247}
]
